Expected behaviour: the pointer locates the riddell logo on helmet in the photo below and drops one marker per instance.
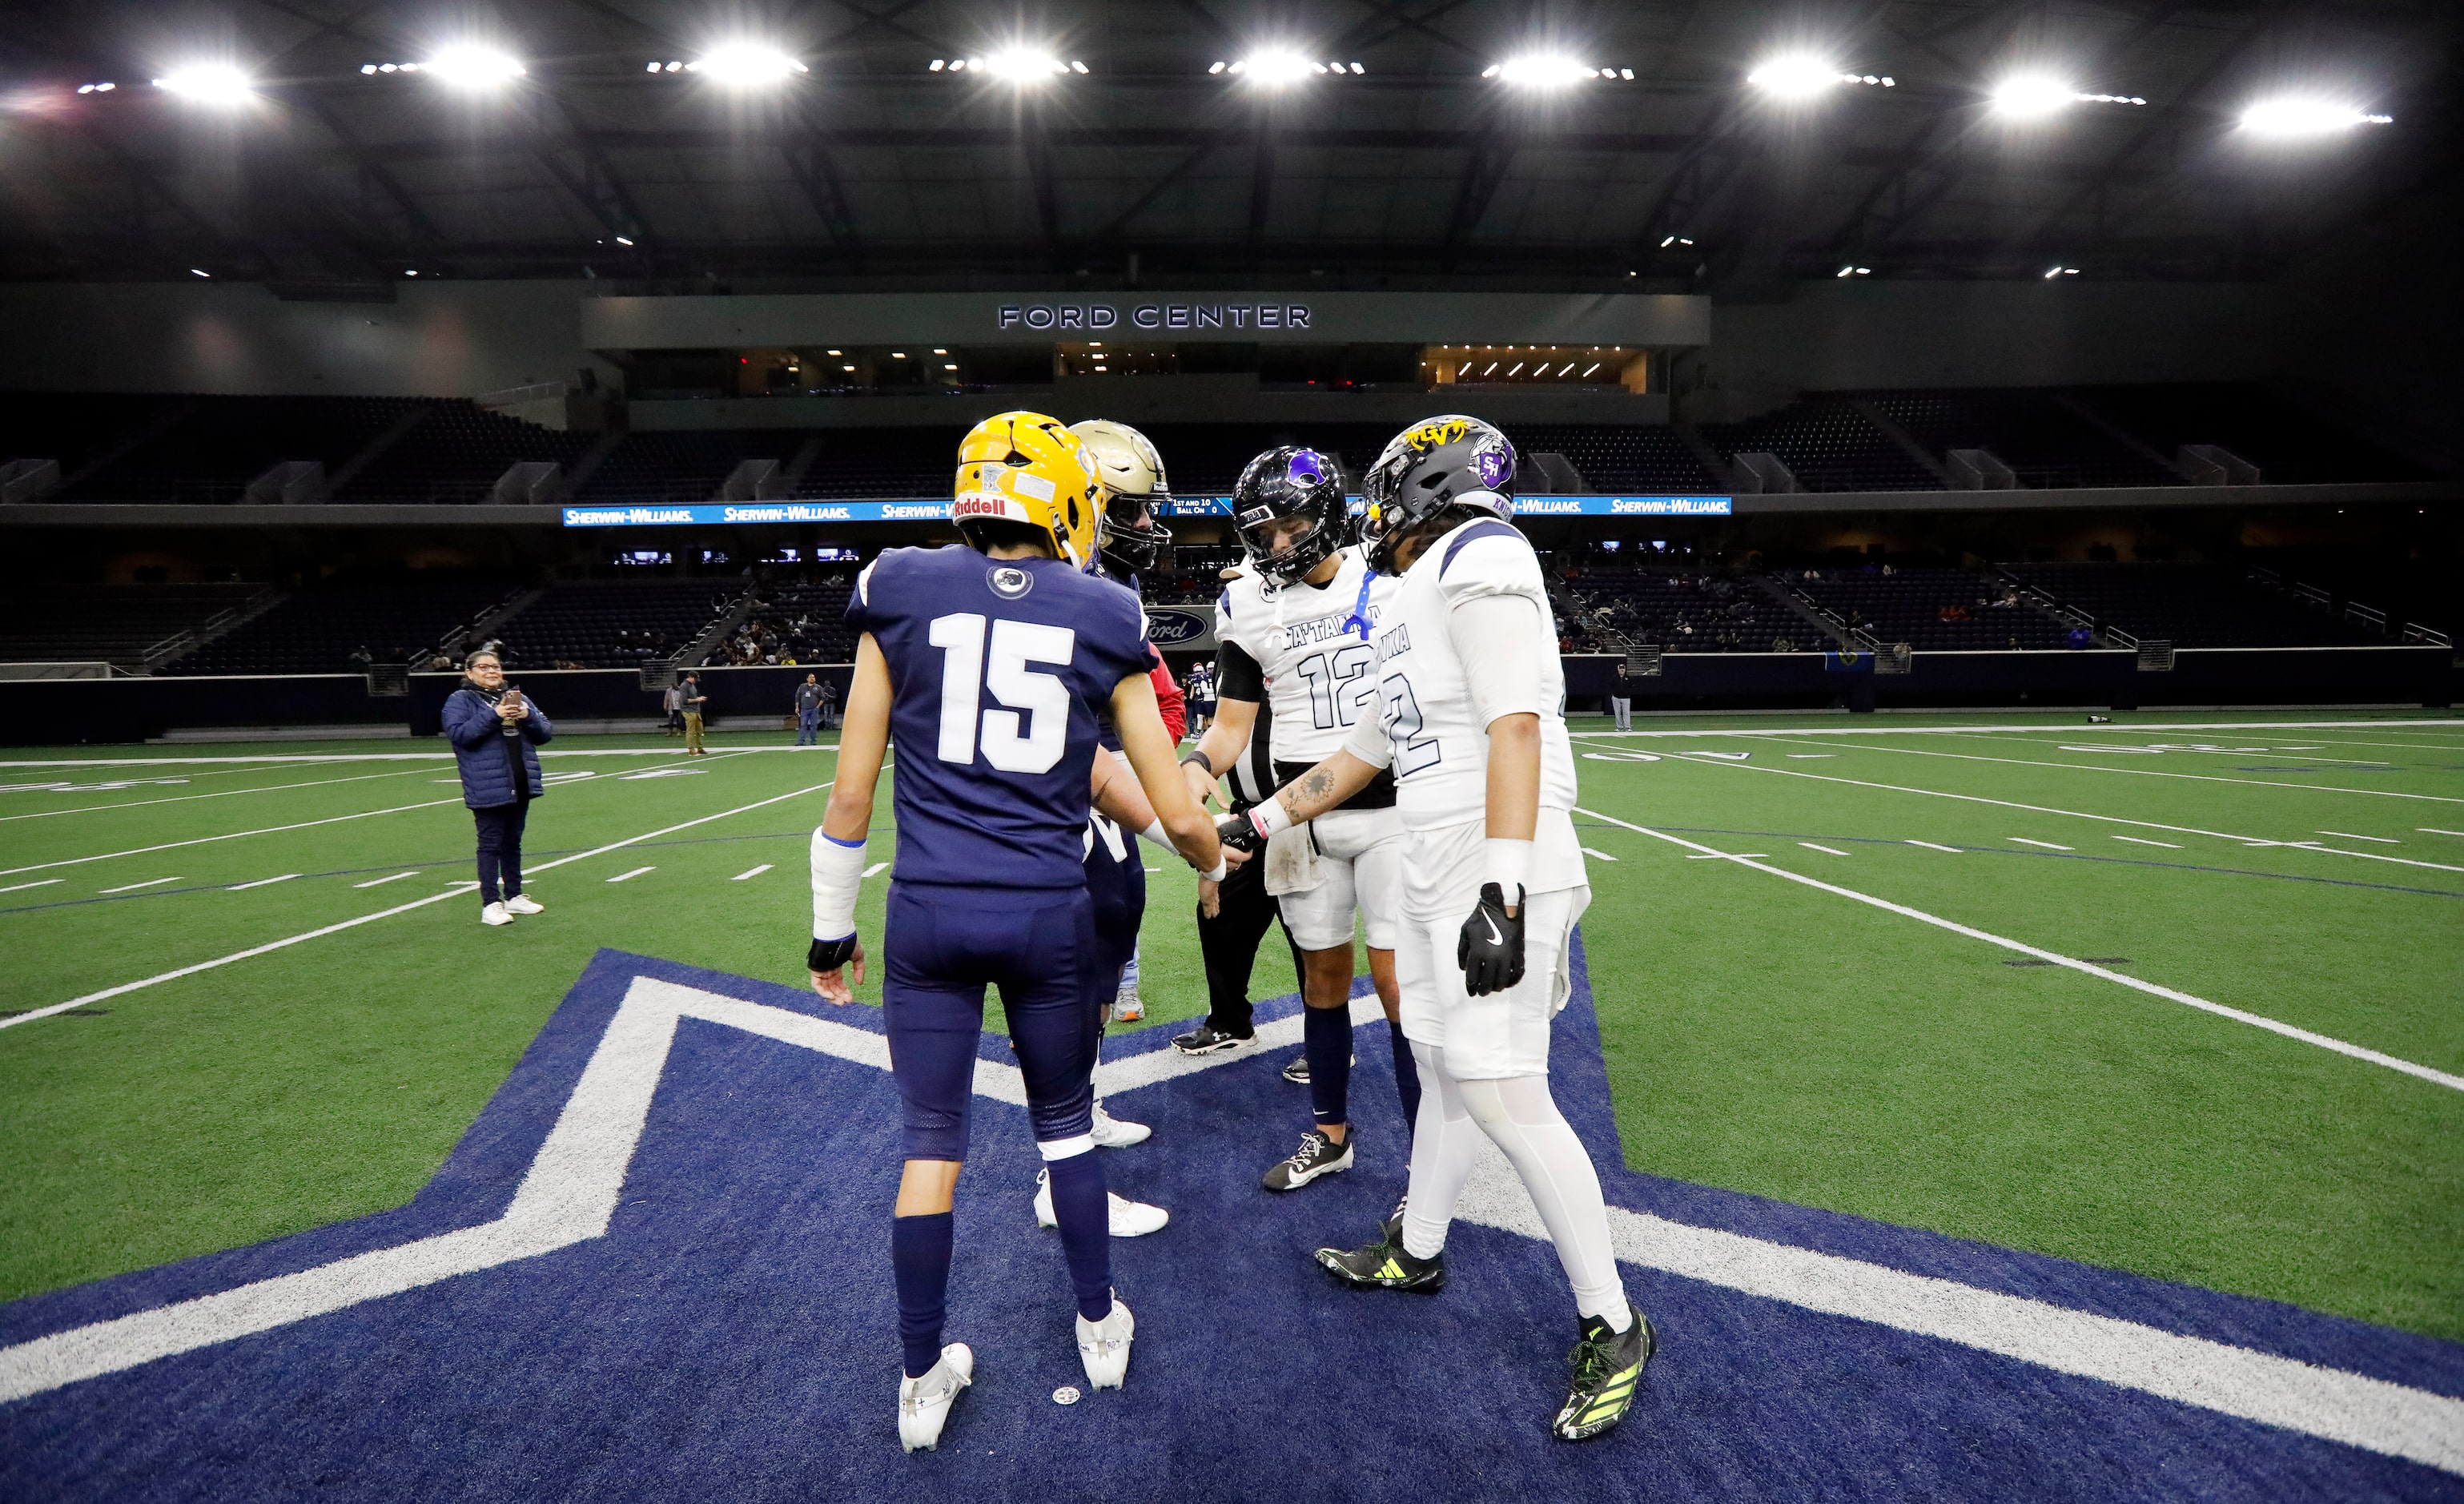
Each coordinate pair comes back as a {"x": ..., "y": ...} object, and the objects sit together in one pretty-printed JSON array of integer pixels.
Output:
[{"x": 985, "y": 506}]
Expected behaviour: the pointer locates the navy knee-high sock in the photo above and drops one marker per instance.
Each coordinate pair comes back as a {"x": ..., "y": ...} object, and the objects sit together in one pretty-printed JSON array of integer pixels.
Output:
[
  {"x": 919, "y": 1261},
  {"x": 1407, "y": 1074},
  {"x": 1085, "y": 1218},
  {"x": 1326, "y": 1037}
]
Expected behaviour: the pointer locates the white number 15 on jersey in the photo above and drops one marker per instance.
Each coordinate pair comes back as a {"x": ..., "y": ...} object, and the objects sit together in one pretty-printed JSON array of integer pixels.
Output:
[{"x": 1029, "y": 736}]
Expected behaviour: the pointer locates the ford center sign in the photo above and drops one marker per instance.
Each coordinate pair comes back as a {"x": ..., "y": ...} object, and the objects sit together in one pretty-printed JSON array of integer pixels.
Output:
[
  {"x": 1152, "y": 315},
  {"x": 1181, "y": 626}
]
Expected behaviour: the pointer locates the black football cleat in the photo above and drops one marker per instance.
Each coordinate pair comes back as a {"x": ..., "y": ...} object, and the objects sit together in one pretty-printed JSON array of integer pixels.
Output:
[
  {"x": 1393, "y": 1228},
  {"x": 1606, "y": 1371},
  {"x": 1208, "y": 1040},
  {"x": 1384, "y": 1265}
]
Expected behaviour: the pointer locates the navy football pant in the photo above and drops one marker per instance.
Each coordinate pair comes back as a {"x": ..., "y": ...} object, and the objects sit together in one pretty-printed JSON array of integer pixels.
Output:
[{"x": 944, "y": 945}]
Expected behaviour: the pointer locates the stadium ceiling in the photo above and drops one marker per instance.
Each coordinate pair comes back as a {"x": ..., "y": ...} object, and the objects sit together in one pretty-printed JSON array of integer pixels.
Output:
[{"x": 1411, "y": 142}]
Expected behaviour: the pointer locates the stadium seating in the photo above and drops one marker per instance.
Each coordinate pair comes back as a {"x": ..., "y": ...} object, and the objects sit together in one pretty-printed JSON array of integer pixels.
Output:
[
  {"x": 2190, "y": 606},
  {"x": 1930, "y": 610},
  {"x": 77, "y": 429},
  {"x": 319, "y": 629},
  {"x": 1828, "y": 445},
  {"x": 218, "y": 445},
  {"x": 614, "y": 624},
  {"x": 106, "y": 623},
  {"x": 1618, "y": 458},
  {"x": 2289, "y": 446},
  {"x": 2046, "y": 444},
  {"x": 804, "y": 619},
  {"x": 682, "y": 468},
  {"x": 456, "y": 453},
  {"x": 1691, "y": 610}
]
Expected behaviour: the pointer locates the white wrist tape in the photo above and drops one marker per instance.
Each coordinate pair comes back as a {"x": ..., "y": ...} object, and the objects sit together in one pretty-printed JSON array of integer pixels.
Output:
[
  {"x": 838, "y": 872},
  {"x": 1271, "y": 819},
  {"x": 1155, "y": 833},
  {"x": 1506, "y": 864},
  {"x": 1217, "y": 873}
]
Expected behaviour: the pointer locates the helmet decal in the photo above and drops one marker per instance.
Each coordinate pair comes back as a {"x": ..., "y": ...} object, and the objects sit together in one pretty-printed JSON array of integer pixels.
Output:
[{"x": 1309, "y": 468}]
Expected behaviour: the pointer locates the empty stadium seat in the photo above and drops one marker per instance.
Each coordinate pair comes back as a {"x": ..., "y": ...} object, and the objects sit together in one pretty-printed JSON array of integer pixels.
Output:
[
  {"x": 613, "y": 623},
  {"x": 319, "y": 629},
  {"x": 2190, "y": 605}
]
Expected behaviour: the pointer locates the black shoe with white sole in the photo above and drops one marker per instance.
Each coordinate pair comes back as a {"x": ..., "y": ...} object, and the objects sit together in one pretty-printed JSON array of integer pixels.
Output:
[
  {"x": 1297, "y": 1072},
  {"x": 1606, "y": 1369},
  {"x": 1208, "y": 1040},
  {"x": 1318, "y": 1155}
]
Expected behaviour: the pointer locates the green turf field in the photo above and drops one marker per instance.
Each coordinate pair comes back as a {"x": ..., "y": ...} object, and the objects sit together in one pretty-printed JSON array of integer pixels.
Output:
[{"x": 1762, "y": 1034}]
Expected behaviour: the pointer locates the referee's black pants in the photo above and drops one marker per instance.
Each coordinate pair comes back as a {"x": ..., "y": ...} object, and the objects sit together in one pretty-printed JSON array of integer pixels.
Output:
[{"x": 1229, "y": 943}]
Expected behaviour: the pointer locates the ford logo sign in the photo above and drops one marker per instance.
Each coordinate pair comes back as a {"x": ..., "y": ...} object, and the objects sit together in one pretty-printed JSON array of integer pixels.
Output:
[{"x": 1169, "y": 628}]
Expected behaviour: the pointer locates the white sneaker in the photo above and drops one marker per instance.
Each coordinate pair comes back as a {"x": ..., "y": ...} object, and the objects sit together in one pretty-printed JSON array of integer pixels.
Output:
[
  {"x": 524, "y": 903},
  {"x": 924, "y": 1404},
  {"x": 1110, "y": 1133},
  {"x": 1104, "y": 1346},
  {"x": 1129, "y": 1219},
  {"x": 494, "y": 913},
  {"x": 1128, "y": 1007}
]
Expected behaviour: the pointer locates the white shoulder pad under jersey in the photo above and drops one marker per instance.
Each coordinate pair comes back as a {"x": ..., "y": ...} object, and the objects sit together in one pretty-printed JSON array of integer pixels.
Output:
[
  {"x": 1441, "y": 747},
  {"x": 1313, "y": 647}
]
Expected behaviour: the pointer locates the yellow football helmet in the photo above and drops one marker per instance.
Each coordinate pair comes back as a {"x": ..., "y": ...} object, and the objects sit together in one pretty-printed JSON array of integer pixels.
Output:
[{"x": 1025, "y": 468}]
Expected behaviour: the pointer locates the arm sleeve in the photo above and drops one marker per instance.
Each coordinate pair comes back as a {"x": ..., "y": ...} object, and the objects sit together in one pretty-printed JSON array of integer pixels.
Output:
[
  {"x": 1168, "y": 696},
  {"x": 1237, "y": 675},
  {"x": 1370, "y": 742},
  {"x": 1499, "y": 639}
]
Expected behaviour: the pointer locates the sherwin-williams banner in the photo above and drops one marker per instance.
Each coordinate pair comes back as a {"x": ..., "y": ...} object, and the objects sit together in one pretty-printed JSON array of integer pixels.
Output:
[{"x": 929, "y": 509}]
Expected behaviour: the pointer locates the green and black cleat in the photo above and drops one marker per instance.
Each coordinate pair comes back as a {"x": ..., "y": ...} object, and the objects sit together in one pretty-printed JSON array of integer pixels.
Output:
[
  {"x": 1607, "y": 1370},
  {"x": 1383, "y": 1265}
]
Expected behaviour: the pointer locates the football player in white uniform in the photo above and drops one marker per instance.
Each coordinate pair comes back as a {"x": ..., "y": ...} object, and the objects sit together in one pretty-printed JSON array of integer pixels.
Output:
[
  {"x": 1471, "y": 727},
  {"x": 1292, "y": 630}
]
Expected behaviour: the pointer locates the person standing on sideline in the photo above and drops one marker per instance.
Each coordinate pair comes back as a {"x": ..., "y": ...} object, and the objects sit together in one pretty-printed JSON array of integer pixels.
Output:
[
  {"x": 1622, "y": 699},
  {"x": 672, "y": 701},
  {"x": 690, "y": 700},
  {"x": 808, "y": 712},
  {"x": 830, "y": 705},
  {"x": 495, "y": 732}
]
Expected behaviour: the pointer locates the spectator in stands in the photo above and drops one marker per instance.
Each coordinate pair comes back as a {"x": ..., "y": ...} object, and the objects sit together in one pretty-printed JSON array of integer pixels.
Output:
[
  {"x": 361, "y": 659},
  {"x": 495, "y": 732},
  {"x": 1622, "y": 699},
  {"x": 690, "y": 700},
  {"x": 808, "y": 712}
]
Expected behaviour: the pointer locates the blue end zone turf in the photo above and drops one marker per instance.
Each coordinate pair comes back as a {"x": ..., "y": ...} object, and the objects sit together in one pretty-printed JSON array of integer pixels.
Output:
[{"x": 733, "y": 1335}]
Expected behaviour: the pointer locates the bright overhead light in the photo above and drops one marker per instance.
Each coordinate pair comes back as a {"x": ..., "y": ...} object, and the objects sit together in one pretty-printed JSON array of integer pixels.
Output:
[
  {"x": 475, "y": 67},
  {"x": 2053, "y": 272},
  {"x": 97, "y": 88},
  {"x": 623, "y": 240},
  {"x": 2032, "y": 97},
  {"x": 1540, "y": 71},
  {"x": 1021, "y": 65},
  {"x": 210, "y": 83},
  {"x": 2296, "y": 117},
  {"x": 745, "y": 64},
  {"x": 1795, "y": 76},
  {"x": 198, "y": 270},
  {"x": 1274, "y": 68}
]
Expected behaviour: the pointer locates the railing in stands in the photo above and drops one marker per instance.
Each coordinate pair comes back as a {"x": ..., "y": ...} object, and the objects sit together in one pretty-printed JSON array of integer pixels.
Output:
[{"x": 2416, "y": 634}]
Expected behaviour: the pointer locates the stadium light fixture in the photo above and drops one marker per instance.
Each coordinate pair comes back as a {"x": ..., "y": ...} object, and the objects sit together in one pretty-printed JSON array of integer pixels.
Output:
[
  {"x": 199, "y": 271},
  {"x": 1802, "y": 75},
  {"x": 2053, "y": 272},
  {"x": 1019, "y": 65},
  {"x": 209, "y": 83},
  {"x": 474, "y": 66},
  {"x": 2032, "y": 97},
  {"x": 1542, "y": 71},
  {"x": 97, "y": 88},
  {"x": 745, "y": 65},
  {"x": 2295, "y": 118}
]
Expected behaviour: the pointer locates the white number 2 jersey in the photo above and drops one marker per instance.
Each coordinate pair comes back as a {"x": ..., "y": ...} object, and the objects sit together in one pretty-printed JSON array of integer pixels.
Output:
[
  {"x": 1436, "y": 739},
  {"x": 1313, "y": 647}
]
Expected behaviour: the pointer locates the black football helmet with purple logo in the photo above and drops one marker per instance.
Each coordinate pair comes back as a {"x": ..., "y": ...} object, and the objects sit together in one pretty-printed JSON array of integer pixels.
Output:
[
  {"x": 1435, "y": 464},
  {"x": 1288, "y": 483}
]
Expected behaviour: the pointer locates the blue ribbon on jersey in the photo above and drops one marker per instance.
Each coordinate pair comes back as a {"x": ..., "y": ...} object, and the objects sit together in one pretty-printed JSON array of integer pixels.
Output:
[{"x": 1359, "y": 616}]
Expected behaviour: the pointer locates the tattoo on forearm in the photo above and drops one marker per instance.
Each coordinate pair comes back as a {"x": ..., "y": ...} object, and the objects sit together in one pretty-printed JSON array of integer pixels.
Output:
[{"x": 1314, "y": 786}]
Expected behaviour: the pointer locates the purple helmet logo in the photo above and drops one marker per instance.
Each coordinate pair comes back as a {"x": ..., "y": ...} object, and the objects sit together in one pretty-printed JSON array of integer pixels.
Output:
[
  {"x": 1493, "y": 464},
  {"x": 1308, "y": 468}
]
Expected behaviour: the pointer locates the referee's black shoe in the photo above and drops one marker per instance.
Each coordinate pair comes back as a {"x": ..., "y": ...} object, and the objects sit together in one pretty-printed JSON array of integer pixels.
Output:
[{"x": 1208, "y": 1040}]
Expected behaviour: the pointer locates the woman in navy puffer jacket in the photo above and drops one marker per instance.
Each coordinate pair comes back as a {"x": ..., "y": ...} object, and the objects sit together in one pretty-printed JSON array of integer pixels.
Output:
[{"x": 495, "y": 732}]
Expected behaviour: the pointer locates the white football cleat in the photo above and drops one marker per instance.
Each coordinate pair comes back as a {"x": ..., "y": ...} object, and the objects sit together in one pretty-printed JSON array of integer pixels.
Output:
[
  {"x": 1128, "y": 1007},
  {"x": 494, "y": 913},
  {"x": 1110, "y": 1133},
  {"x": 924, "y": 1404},
  {"x": 1129, "y": 1219},
  {"x": 523, "y": 903},
  {"x": 1104, "y": 1346}
]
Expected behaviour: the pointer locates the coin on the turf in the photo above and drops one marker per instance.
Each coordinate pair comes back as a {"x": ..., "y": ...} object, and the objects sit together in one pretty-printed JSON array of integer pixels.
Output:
[{"x": 1066, "y": 1394}]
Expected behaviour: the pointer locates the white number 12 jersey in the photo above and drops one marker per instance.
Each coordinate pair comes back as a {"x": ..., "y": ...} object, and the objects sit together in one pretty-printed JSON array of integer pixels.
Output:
[{"x": 1312, "y": 645}]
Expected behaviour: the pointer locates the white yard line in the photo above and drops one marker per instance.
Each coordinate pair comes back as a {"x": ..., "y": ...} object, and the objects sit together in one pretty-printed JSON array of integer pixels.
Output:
[
  {"x": 232, "y": 835},
  {"x": 226, "y": 793},
  {"x": 2454, "y": 1083},
  {"x": 1932, "y": 847},
  {"x": 2142, "y": 841},
  {"x": 2130, "y": 729},
  {"x": 151, "y": 882},
  {"x": 313, "y": 757},
  {"x": 1593, "y": 850},
  {"x": 752, "y": 873},
  {"x": 2047, "y": 845},
  {"x": 571, "y": 1190},
  {"x": 262, "y": 882},
  {"x": 2150, "y": 772},
  {"x": 2347, "y": 835},
  {"x": 629, "y": 876},
  {"x": 456, "y": 891},
  {"x": 876, "y": 869},
  {"x": 20, "y": 887},
  {"x": 2431, "y": 829},
  {"x": 1831, "y": 850},
  {"x": 378, "y": 882}
]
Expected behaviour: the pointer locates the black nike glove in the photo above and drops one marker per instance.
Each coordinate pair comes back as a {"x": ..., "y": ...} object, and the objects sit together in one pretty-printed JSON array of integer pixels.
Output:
[
  {"x": 1490, "y": 947},
  {"x": 829, "y": 956},
  {"x": 1238, "y": 832}
]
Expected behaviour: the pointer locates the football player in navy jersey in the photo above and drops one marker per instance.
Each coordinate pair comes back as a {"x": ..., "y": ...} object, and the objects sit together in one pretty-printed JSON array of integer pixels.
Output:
[{"x": 988, "y": 666}]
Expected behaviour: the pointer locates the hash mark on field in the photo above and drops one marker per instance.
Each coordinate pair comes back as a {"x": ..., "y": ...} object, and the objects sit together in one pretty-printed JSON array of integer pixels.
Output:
[
  {"x": 22, "y": 886},
  {"x": 1594, "y": 851},
  {"x": 2141, "y": 841},
  {"x": 2431, "y": 829},
  {"x": 155, "y": 882},
  {"x": 1723, "y": 856},
  {"x": 754, "y": 872},
  {"x": 1807, "y": 757},
  {"x": 2047, "y": 845},
  {"x": 874, "y": 869},
  {"x": 262, "y": 882},
  {"x": 1932, "y": 847},
  {"x": 2347, "y": 835},
  {"x": 1829, "y": 850},
  {"x": 378, "y": 882},
  {"x": 635, "y": 873}
]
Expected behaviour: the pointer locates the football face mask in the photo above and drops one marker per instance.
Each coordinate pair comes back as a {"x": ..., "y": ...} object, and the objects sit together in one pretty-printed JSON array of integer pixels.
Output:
[
  {"x": 1290, "y": 513},
  {"x": 1427, "y": 467}
]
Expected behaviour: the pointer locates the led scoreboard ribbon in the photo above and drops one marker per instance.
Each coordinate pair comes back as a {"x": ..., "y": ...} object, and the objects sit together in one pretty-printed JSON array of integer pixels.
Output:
[{"x": 936, "y": 509}]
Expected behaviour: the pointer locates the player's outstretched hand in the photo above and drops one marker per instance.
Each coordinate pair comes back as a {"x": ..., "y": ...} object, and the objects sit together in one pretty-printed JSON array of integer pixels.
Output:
[
  {"x": 1240, "y": 836},
  {"x": 837, "y": 968},
  {"x": 1210, "y": 898},
  {"x": 1490, "y": 947}
]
